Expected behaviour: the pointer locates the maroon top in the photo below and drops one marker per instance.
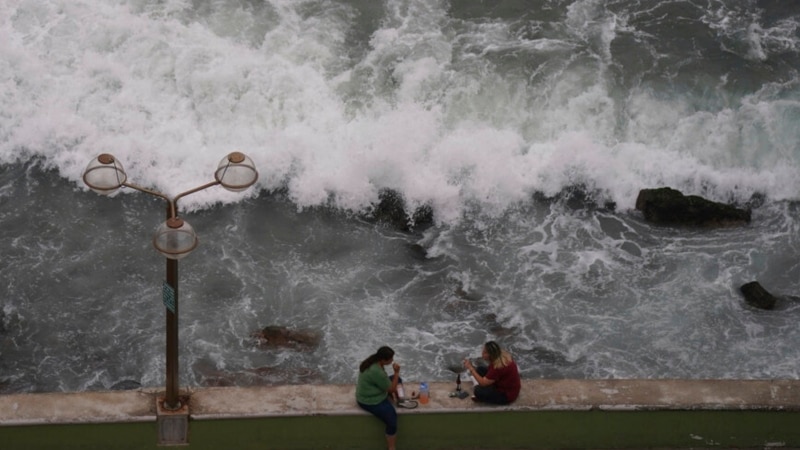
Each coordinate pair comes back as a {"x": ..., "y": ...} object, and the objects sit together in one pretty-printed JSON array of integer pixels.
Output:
[{"x": 506, "y": 380}]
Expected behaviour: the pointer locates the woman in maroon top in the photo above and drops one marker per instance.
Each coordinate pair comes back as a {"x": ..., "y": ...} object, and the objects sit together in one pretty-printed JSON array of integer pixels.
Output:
[{"x": 499, "y": 383}]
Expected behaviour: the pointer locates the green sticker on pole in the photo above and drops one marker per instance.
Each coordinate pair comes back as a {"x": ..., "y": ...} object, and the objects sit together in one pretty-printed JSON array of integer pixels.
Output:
[{"x": 168, "y": 294}]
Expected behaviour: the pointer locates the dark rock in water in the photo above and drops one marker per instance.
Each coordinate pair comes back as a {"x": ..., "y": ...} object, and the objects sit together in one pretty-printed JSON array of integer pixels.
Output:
[
  {"x": 757, "y": 296},
  {"x": 417, "y": 252},
  {"x": 126, "y": 385},
  {"x": 496, "y": 328},
  {"x": 631, "y": 248},
  {"x": 463, "y": 294},
  {"x": 209, "y": 375},
  {"x": 579, "y": 197},
  {"x": 457, "y": 306},
  {"x": 391, "y": 209},
  {"x": 669, "y": 206},
  {"x": 757, "y": 200},
  {"x": 274, "y": 336},
  {"x": 548, "y": 356}
]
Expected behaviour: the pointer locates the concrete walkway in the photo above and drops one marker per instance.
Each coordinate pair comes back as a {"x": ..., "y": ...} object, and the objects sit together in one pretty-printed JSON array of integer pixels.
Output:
[
  {"x": 303, "y": 400},
  {"x": 549, "y": 414}
]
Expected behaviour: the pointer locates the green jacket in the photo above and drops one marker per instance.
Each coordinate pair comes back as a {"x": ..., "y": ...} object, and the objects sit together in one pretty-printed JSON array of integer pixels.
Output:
[{"x": 373, "y": 385}]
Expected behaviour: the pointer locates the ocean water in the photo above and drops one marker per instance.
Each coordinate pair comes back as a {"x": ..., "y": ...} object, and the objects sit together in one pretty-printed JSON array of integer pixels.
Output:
[{"x": 528, "y": 127}]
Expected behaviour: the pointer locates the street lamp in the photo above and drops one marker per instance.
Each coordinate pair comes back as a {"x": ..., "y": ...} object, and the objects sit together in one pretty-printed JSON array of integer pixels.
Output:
[{"x": 174, "y": 238}]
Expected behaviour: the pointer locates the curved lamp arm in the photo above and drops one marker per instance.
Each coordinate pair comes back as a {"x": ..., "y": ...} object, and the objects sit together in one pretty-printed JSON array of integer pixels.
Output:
[{"x": 174, "y": 238}]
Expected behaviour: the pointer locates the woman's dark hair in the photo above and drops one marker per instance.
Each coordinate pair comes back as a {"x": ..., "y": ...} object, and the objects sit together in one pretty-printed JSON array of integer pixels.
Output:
[{"x": 382, "y": 354}]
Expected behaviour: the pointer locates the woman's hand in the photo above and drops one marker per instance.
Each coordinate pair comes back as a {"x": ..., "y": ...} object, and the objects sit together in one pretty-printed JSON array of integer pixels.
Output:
[
  {"x": 468, "y": 364},
  {"x": 396, "y": 368}
]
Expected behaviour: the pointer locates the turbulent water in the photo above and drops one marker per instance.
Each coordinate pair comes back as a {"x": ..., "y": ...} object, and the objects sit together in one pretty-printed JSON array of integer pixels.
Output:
[{"x": 527, "y": 126}]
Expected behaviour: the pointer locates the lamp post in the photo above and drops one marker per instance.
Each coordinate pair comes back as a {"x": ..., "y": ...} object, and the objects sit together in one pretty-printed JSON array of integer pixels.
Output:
[{"x": 174, "y": 238}]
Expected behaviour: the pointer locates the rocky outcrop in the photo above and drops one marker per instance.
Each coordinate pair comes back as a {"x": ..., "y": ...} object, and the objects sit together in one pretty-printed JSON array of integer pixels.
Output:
[
  {"x": 579, "y": 197},
  {"x": 668, "y": 206},
  {"x": 391, "y": 210}
]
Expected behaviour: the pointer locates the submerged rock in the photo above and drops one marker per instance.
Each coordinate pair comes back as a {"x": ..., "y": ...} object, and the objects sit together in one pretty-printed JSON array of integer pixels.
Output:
[
  {"x": 417, "y": 252},
  {"x": 208, "y": 375},
  {"x": 755, "y": 295},
  {"x": 669, "y": 206},
  {"x": 275, "y": 336},
  {"x": 497, "y": 329}
]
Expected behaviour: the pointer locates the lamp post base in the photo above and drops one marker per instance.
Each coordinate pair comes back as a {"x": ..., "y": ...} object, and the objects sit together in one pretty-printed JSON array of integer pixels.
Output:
[{"x": 173, "y": 424}]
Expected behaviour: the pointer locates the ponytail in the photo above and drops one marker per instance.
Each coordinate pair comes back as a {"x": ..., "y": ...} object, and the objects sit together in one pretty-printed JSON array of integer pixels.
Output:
[{"x": 382, "y": 354}]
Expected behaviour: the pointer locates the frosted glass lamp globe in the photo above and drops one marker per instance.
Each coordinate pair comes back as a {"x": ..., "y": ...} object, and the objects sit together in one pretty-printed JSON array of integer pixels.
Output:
[
  {"x": 175, "y": 238},
  {"x": 236, "y": 172},
  {"x": 104, "y": 174}
]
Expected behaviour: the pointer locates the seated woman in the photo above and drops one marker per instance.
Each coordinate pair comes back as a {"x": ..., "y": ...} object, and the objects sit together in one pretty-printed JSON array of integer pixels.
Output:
[
  {"x": 499, "y": 383},
  {"x": 374, "y": 388}
]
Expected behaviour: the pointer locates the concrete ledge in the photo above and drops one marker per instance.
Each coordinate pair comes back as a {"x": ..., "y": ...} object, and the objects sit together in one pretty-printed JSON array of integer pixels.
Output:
[
  {"x": 310, "y": 400},
  {"x": 536, "y": 395},
  {"x": 245, "y": 414},
  {"x": 77, "y": 407}
]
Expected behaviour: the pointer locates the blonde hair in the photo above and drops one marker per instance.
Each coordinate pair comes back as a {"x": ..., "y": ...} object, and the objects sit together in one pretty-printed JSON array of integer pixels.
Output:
[{"x": 499, "y": 357}]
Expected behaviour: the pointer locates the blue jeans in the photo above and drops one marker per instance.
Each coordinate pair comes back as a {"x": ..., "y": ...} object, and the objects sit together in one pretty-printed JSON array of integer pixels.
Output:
[{"x": 384, "y": 411}]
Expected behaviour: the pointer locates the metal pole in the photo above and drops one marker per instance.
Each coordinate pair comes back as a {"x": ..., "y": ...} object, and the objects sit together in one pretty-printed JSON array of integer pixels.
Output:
[
  {"x": 171, "y": 401},
  {"x": 99, "y": 179}
]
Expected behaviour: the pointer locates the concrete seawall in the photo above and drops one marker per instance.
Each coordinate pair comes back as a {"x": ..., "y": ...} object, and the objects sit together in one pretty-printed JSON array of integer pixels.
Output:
[{"x": 548, "y": 414}]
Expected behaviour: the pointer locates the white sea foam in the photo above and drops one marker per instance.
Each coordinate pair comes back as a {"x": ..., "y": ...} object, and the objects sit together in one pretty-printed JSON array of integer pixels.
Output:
[{"x": 170, "y": 91}]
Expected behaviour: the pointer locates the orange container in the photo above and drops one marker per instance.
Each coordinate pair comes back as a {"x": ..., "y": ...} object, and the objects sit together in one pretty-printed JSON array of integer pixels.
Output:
[
  {"x": 424, "y": 397},
  {"x": 424, "y": 394}
]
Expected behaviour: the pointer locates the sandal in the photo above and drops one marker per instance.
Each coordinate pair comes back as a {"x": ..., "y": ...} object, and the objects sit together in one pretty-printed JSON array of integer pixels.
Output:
[{"x": 408, "y": 404}]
